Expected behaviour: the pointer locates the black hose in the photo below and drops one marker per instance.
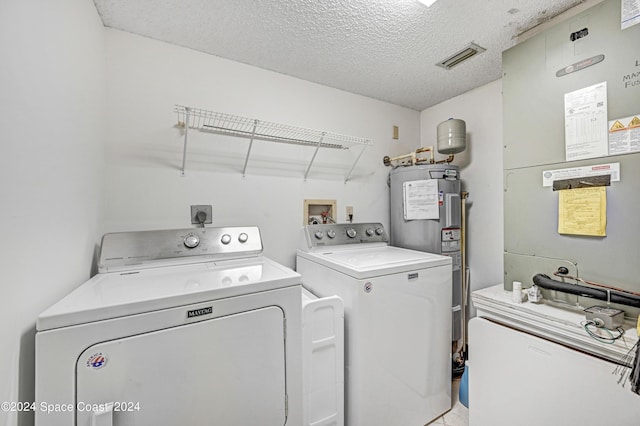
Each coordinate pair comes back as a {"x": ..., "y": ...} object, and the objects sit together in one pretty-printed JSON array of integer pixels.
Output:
[{"x": 614, "y": 296}]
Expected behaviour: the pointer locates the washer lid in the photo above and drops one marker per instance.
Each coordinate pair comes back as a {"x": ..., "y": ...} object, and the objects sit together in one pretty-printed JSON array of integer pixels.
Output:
[
  {"x": 118, "y": 294},
  {"x": 368, "y": 262}
]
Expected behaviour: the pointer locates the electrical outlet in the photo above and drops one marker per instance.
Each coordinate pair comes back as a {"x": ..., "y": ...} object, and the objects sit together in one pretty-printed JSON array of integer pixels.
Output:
[
  {"x": 197, "y": 212},
  {"x": 349, "y": 211}
]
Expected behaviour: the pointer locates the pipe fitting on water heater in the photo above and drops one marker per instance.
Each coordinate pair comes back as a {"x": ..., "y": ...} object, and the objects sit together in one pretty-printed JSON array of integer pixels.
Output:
[{"x": 451, "y": 139}]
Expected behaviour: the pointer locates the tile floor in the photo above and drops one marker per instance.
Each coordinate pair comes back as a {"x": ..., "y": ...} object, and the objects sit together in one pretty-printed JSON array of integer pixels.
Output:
[{"x": 459, "y": 414}]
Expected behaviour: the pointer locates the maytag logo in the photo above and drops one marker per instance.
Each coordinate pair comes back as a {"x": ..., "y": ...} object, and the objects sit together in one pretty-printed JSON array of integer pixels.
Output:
[
  {"x": 413, "y": 276},
  {"x": 199, "y": 312}
]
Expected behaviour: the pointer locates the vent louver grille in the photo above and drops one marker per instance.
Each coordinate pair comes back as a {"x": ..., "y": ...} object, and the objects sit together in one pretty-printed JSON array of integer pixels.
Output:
[{"x": 457, "y": 58}]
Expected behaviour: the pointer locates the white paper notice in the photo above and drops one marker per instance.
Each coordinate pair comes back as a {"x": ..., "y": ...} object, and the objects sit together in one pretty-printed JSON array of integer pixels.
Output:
[
  {"x": 585, "y": 123},
  {"x": 612, "y": 169},
  {"x": 420, "y": 199},
  {"x": 630, "y": 13}
]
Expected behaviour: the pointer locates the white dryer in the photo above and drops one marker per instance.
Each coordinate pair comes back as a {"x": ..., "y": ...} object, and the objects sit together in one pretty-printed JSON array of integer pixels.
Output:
[
  {"x": 397, "y": 306},
  {"x": 178, "y": 327}
]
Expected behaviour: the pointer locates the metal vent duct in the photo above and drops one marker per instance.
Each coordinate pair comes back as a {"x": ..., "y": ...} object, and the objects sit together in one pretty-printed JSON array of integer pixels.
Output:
[{"x": 468, "y": 52}]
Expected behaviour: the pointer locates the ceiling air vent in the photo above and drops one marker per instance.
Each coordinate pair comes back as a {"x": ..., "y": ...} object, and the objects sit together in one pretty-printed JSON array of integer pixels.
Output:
[{"x": 468, "y": 52}]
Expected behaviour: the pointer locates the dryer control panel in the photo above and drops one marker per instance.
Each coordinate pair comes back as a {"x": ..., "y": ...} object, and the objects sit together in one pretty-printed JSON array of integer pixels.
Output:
[
  {"x": 343, "y": 233},
  {"x": 134, "y": 250}
]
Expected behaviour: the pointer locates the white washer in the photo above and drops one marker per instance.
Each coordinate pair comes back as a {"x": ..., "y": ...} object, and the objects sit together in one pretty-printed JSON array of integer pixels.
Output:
[
  {"x": 397, "y": 305},
  {"x": 178, "y": 327}
]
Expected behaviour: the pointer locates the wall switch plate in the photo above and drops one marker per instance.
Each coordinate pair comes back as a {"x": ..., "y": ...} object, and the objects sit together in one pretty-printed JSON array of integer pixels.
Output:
[{"x": 197, "y": 211}]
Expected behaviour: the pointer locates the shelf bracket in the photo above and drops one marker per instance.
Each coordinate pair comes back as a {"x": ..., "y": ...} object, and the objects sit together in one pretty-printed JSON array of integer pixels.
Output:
[
  {"x": 346, "y": 179},
  {"x": 306, "y": 173},
  {"x": 246, "y": 160},
  {"x": 186, "y": 135}
]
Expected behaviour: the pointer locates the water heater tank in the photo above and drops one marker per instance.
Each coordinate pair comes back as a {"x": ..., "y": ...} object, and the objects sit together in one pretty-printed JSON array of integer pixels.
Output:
[{"x": 452, "y": 136}]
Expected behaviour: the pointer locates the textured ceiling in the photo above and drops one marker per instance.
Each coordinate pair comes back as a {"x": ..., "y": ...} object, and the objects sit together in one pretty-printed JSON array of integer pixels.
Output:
[{"x": 383, "y": 49}]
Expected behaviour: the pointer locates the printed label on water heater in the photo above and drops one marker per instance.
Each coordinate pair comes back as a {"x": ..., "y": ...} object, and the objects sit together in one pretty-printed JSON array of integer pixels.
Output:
[
  {"x": 456, "y": 258},
  {"x": 420, "y": 199},
  {"x": 450, "y": 245},
  {"x": 450, "y": 234}
]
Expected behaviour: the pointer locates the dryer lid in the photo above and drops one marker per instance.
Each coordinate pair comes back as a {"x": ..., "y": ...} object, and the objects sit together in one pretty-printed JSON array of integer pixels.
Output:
[{"x": 118, "y": 294}]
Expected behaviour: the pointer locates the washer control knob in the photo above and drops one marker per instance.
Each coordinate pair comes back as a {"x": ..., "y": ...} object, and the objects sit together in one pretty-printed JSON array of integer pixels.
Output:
[
  {"x": 318, "y": 235},
  {"x": 191, "y": 241},
  {"x": 243, "y": 237},
  {"x": 351, "y": 233},
  {"x": 226, "y": 239},
  {"x": 369, "y": 232},
  {"x": 331, "y": 233},
  {"x": 379, "y": 231}
]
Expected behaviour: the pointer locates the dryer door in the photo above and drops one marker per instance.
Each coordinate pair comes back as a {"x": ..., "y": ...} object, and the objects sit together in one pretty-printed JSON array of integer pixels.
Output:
[{"x": 222, "y": 371}]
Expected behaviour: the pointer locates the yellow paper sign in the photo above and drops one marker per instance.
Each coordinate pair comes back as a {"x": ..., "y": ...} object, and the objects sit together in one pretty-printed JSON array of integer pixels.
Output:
[{"x": 583, "y": 211}]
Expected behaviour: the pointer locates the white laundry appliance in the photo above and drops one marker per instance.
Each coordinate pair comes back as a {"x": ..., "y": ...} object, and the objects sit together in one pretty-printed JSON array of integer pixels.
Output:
[
  {"x": 397, "y": 307},
  {"x": 179, "y": 327},
  {"x": 533, "y": 364},
  {"x": 322, "y": 360}
]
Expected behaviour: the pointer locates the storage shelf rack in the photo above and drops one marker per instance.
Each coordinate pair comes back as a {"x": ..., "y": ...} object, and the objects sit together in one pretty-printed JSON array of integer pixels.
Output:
[{"x": 252, "y": 129}]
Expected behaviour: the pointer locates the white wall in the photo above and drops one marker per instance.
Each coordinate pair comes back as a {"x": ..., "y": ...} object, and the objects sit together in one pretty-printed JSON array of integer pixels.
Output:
[
  {"x": 481, "y": 175},
  {"x": 51, "y": 108},
  {"x": 144, "y": 188}
]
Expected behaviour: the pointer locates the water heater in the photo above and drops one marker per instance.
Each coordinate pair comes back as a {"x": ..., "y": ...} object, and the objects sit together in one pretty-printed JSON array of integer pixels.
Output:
[
  {"x": 441, "y": 235},
  {"x": 425, "y": 208}
]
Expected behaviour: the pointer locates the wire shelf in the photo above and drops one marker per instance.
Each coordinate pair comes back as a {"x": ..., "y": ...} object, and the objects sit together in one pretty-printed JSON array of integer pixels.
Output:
[{"x": 252, "y": 129}]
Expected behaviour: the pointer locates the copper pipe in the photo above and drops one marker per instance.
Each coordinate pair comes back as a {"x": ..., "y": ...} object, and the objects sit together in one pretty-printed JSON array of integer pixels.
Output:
[
  {"x": 413, "y": 157},
  {"x": 446, "y": 160},
  {"x": 596, "y": 284},
  {"x": 463, "y": 253}
]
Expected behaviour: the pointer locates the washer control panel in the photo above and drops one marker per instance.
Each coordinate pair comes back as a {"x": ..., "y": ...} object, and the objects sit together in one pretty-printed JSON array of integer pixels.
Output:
[
  {"x": 344, "y": 233},
  {"x": 131, "y": 250}
]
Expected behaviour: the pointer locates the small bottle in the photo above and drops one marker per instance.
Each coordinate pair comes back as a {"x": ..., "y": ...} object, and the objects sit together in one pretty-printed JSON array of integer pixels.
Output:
[{"x": 517, "y": 292}]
